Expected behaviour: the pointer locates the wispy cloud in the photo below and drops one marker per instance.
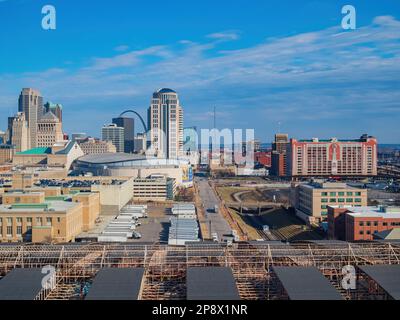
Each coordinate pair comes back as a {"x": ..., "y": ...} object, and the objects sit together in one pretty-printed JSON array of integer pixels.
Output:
[
  {"x": 319, "y": 81},
  {"x": 225, "y": 35}
]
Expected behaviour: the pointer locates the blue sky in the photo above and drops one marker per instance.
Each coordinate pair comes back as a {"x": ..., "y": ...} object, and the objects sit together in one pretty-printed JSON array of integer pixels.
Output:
[{"x": 264, "y": 64}]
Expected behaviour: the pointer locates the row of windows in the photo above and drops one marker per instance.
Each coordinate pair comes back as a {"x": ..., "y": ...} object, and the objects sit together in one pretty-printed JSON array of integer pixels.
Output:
[
  {"x": 341, "y": 200},
  {"x": 376, "y": 223}
]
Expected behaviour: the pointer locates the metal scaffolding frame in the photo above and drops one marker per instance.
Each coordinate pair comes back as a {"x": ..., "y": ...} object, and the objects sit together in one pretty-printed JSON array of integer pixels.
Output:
[{"x": 165, "y": 266}]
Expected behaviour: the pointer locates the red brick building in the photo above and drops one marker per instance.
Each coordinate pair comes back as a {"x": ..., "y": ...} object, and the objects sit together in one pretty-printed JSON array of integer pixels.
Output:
[
  {"x": 263, "y": 157},
  {"x": 332, "y": 157},
  {"x": 361, "y": 223}
]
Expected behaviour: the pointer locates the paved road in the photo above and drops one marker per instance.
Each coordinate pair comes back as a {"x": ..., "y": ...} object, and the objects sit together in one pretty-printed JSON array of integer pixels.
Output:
[{"x": 210, "y": 200}]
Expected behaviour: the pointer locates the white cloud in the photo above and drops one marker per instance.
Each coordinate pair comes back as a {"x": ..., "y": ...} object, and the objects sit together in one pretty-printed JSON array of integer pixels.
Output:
[{"x": 225, "y": 35}]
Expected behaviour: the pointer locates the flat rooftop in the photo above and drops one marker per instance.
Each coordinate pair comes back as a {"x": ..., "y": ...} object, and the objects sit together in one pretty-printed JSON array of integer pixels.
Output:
[
  {"x": 386, "y": 276},
  {"x": 21, "y": 284},
  {"x": 211, "y": 283},
  {"x": 117, "y": 284},
  {"x": 328, "y": 185},
  {"x": 376, "y": 212},
  {"x": 52, "y": 206},
  {"x": 306, "y": 283}
]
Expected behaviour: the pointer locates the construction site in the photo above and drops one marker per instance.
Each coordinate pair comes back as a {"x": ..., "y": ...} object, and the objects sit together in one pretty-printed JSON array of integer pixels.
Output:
[{"x": 311, "y": 270}]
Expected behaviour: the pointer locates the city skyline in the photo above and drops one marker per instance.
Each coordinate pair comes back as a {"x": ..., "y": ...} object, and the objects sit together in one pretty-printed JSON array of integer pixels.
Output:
[{"x": 303, "y": 75}]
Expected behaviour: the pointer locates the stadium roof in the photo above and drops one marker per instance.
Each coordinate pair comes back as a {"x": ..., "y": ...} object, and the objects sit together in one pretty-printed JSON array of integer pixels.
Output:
[
  {"x": 116, "y": 284},
  {"x": 211, "y": 283},
  {"x": 306, "y": 283},
  {"x": 111, "y": 157},
  {"x": 35, "y": 151},
  {"x": 21, "y": 284},
  {"x": 386, "y": 276}
]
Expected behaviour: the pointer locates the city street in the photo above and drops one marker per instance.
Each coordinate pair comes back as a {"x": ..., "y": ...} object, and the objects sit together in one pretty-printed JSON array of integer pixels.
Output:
[{"x": 210, "y": 200}]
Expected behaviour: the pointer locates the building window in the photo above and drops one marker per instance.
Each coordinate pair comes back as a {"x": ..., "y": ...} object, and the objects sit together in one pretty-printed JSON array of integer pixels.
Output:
[
  {"x": 39, "y": 221},
  {"x": 358, "y": 200},
  {"x": 9, "y": 231},
  {"x": 350, "y": 194},
  {"x": 368, "y": 224},
  {"x": 332, "y": 194},
  {"x": 324, "y": 194},
  {"x": 341, "y": 200},
  {"x": 358, "y": 194},
  {"x": 361, "y": 232},
  {"x": 19, "y": 231},
  {"x": 332, "y": 200},
  {"x": 341, "y": 194},
  {"x": 49, "y": 221},
  {"x": 349, "y": 200},
  {"x": 324, "y": 200}
]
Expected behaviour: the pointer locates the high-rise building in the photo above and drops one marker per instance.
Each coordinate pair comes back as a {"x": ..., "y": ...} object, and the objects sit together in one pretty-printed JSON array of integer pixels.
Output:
[
  {"x": 31, "y": 103},
  {"x": 332, "y": 157},
  {"x": 165, "y": 124},
  {"x": 129, "y": 132},
  {"x": 49, "y": 131},
  {"x": 20, "y": 133},
  {"x": 278, "y": 156},
  {"x": 190, "y": 140},
  {"x": 114, "y": 134},
  {"x": 3, "y": 137},
  {"x": 54, "y": 108},
  {"x": 280, "y": 143},
  {"x": 140, "y": 143}
]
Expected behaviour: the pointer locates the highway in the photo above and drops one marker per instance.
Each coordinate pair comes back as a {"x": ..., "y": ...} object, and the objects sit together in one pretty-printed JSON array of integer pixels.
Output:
[{"x": 210, "y": 200}]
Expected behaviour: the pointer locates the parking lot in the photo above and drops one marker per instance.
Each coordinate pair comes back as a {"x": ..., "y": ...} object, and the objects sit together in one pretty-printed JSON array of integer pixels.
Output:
[{"x": 155, "y": 227}]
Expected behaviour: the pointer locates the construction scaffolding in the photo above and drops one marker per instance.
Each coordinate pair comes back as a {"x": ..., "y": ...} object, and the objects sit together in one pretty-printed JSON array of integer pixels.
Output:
[{"x": 165, "y": 266}]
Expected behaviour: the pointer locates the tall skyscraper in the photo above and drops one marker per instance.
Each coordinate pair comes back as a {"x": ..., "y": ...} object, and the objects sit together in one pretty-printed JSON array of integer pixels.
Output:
[
  {"x": 165, "y": 124},
  {"x": 114, "y": 134},
  {"x": 278, "y": 156},
  {"x": 129, "y": 132},
  {"x": 54, "y": 108},
  {"x": 49, "y": 130},
  {"x": 190, "y": 139},
  {"x": 280, "y": 143},
  {"x": 332, "y": 157},
  {"x": 31, "y": 103},
  {"x": 20, "y": 133}
]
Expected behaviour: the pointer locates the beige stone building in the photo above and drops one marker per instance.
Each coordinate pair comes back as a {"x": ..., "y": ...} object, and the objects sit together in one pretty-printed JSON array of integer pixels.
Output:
[
  {"x": 90, "y": 208},
  {"x": 20, "y": 133},
  {"x": 311, "y": 200},
  {"x": 31, "y": 104},
  {"x": 95, "y": 146},
  {"x": 49, "y": 130},
  {"x": 54, "y": 219},
  {"x": 7, "y": 153}
]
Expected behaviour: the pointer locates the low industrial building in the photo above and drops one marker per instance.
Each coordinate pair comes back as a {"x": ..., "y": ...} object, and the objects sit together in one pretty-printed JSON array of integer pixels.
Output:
[
  {"x": 361, "y": 223},
  {"x": 154, "y": 188},
  {"x": 183, "y": 230},
  {"x": 311, "y": 200}
]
